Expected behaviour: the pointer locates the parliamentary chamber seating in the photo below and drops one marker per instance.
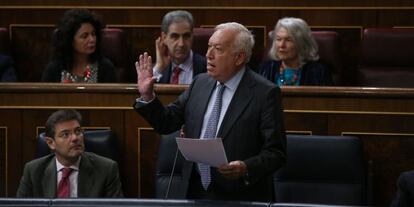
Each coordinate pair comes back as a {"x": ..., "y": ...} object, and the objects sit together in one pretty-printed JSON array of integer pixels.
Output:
[
  {"x": 323, "y": 170},
  {"x": 116, "y": 48},
  {"x": 320, "y": 170},
  {"x": 386, "y": 58},
  {"x": 36, "y": 202}
]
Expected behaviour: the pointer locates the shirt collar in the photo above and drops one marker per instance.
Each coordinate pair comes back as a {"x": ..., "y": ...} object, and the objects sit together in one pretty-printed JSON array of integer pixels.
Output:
[
  {"x": 187, "y": 65},
  {"x": 235, "y": 80},
  {"x": 75, "y": 166}
]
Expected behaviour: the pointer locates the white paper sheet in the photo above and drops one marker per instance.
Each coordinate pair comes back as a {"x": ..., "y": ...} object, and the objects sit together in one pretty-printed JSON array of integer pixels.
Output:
[{"x": 208, "y": 151}]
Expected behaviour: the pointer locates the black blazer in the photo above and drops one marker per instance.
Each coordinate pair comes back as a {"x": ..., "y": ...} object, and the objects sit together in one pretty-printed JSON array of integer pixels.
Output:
[
  {"x": 252, "y": 130},
  {"x": 405, "y": 194},
  {"x": 313, "y": 73},
  {"x": 199, "y": 66}
]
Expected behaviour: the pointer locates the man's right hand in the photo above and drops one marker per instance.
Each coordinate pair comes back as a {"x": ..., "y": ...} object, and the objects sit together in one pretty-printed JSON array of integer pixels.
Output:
[
  {"x": 145, "y": 80},
  {"x": 163, "y": 57}
]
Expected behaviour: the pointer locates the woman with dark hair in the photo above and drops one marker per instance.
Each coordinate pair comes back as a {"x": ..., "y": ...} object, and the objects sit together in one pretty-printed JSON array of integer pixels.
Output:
[
  {"x": 76, "y": 52},
  {"x": 294, "y": 56}
]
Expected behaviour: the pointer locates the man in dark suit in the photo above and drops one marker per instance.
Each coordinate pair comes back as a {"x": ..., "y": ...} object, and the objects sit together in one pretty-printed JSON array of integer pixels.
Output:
[
  {"x": 249, "y": 120},
  {"x": 69, "y": 171},
  {"x": 176, "y": 62},
  {"x": 405, "y": 194}
]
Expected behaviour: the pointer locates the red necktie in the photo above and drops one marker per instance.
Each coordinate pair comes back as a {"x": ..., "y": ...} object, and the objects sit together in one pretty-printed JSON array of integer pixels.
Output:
[
  {"x": 64, "y": 184},
  {"x": 176, "y": 74}
]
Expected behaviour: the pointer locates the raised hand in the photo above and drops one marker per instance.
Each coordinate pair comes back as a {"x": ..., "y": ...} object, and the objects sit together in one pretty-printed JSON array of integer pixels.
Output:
[
  {"x": 163, "y": 57},
  {"x": 145, "y": 80}
]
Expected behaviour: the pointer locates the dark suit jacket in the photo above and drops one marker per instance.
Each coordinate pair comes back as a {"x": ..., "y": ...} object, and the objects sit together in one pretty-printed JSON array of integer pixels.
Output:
[
  {"x": 313, "y": 73},
  {"x": 252, "y": 131},
  {"x": 106, "y": 71},
  {"x": 199, "y": 66},
  {"x": 98, "y": 177},
  {"x": 405, "y": 194}
]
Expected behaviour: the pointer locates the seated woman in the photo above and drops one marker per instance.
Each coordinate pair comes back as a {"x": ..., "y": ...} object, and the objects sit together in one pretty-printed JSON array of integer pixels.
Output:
[
  {"x": 76, "y": 51},
  {"x": 294, "y": 55}
]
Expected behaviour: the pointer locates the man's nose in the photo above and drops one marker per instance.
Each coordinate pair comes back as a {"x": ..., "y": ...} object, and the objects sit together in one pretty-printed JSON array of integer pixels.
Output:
[
  {"x": 181, "y": 41},
  {"x": 209, "y": 52}
]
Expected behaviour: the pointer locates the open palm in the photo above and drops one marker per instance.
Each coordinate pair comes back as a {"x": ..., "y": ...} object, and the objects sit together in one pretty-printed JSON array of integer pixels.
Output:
[{"x": 145, "y": 80}]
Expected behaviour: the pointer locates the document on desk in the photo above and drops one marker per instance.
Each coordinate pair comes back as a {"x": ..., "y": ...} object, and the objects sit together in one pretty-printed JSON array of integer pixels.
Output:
[{"x": 208, "y": 151}]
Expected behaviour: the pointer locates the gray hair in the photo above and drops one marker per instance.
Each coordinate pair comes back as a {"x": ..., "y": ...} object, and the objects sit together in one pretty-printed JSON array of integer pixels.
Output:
[
  {"x": 176, "y": 16},
  {"x": 244, "y": 40},
  {"x": 301, "y": 34}
]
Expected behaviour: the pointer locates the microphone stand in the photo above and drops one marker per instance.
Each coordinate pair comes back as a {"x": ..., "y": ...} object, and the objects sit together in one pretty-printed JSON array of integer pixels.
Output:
[
  {"x": 173, "y": 167},
  {"x": 171, "y": 175}
]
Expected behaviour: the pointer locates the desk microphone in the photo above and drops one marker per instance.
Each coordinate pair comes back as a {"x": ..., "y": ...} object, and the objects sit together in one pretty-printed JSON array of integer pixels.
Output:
[{"x": 173, "y": 167}]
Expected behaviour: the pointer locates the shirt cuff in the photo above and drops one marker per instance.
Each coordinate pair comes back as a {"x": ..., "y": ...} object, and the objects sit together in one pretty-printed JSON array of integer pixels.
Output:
[
  {"x": 140, "y": 101},
  {"x": 156, "y": 73}
]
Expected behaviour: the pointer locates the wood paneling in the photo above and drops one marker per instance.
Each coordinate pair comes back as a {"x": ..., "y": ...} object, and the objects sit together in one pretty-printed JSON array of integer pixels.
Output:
[
  {"x": 32, "y": 47},
  {"x": 381, "y": 117}
]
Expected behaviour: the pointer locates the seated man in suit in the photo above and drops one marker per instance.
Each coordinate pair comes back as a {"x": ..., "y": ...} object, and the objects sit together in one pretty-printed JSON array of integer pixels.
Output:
[
  {"x": 231, "y": 102},
  {"x": 176, "y": 62},
  {"x": 405, "y": 194},
  {"x": 69, "y": 171}
]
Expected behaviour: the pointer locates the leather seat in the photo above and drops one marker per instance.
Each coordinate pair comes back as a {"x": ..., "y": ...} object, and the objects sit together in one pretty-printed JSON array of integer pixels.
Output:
[
  {"x": 115, "y": 47},
  {"x": 100, "y": 142},
  {"x": 324, "y": 170},
  {"x": 386, "y": 58},
  {"x": 200, "y": 39},
  {"x": 165, "y": 162},
  {"x": 330, "y": 54}
]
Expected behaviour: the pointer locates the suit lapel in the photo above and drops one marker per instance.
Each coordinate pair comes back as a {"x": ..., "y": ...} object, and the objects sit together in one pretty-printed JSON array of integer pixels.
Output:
[
  {"x": 49, "y": 180},
  {"x": 86, "y": 178},
  {"x": 166, "y": 75},
  {"x": 202, "y": 95},
  {"x": 238, "y": 104}
]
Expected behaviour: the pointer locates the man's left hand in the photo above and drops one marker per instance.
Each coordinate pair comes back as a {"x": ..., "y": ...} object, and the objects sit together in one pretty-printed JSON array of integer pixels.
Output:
[{"x": 233, "y": 170}]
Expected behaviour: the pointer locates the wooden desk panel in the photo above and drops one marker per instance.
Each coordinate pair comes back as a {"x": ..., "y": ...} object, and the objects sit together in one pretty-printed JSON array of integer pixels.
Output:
[{"x": 382, "y": 118}]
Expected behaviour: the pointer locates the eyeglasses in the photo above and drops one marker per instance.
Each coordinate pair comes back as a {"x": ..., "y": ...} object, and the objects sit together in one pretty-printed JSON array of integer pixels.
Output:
[{"x": 65, "y": 134}]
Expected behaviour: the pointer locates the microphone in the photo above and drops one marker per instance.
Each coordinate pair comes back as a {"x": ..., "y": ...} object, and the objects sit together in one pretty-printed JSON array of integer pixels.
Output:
[{"x": 182, "y": 134}]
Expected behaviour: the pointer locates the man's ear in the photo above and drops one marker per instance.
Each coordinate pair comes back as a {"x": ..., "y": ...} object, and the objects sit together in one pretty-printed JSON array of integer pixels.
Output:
[
  {"x": 163, "y": 36},
  {"x": 240, "y": 58},
  {"x": 51, "y": 143}
]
